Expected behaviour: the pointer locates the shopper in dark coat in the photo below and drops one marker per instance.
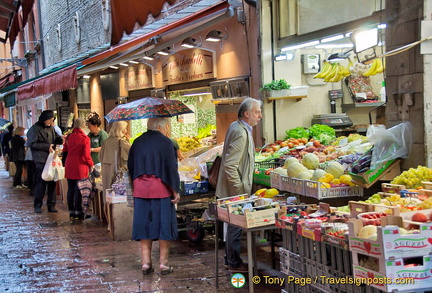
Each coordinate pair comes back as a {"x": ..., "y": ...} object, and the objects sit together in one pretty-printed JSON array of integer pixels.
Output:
[
  {"x": 153, "y": 168},
  {"x": 6, "y": 146},
  {"x": 17, "y": 155},
  {"x": 42, "y": 140}
]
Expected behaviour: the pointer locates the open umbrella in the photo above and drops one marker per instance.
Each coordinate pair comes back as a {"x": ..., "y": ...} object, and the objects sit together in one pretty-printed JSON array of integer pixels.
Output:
[
  {"x": 147, "y": 108},
  {"x": 4, "y": 123}
]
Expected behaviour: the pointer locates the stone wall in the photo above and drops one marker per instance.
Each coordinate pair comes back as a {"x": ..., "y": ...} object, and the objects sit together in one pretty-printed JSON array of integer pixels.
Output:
[
  {"x": 60, "y": 15},
  {"x": 404, "y": 73}
]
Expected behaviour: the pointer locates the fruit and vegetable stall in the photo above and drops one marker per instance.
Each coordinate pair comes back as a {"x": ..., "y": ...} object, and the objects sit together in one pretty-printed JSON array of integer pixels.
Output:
[{"x": 380, "y": 242}]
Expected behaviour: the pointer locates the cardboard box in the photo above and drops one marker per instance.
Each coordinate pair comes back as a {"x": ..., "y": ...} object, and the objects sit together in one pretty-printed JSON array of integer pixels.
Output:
[
  {"x": 112, "y": 197},
  {"x": 392, "y": 271},
  {"x": 370, "y": 175},
  {"x": 193, "y": 187},
  {"x": 390, "y": 243},
  {"x": 121, "y": 217},
  {"x": 254, "y": 219},
  {"x": 319, "y": 191},
  {"x": 222, "y": 207}
]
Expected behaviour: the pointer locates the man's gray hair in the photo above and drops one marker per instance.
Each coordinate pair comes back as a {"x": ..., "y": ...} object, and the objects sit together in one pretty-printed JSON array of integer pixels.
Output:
[
  {"x": 247, "y": 105},
  {"x": 117, "y": 129},
  {"x": 157, "y": 123},
  {"x": 79, "y": 123}
]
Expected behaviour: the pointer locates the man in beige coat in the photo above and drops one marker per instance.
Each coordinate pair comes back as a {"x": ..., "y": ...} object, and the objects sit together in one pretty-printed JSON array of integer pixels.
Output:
[{"x": 236, "y": 171}]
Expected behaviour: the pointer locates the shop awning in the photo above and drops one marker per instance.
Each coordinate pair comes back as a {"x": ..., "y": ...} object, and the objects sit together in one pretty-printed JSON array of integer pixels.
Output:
[
  {"x": 163, "y": 29},
  {"x": 126, "y": 13},
  {"x": 9, "y": 18},
  {"x": 58, "y": 81}
]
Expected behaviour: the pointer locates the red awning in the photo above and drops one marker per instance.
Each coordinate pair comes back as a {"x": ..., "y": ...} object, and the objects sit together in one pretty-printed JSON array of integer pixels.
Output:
[
  {"x": 58, "y": 81},
  {"x": 126, "y": 13},
  {"x": 9, "y": 22},
  {"x": 139, "y": 40}
]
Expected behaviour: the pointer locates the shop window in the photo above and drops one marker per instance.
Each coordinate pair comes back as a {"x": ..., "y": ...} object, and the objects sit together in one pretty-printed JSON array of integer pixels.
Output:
[{"x": 110, "y": 86}]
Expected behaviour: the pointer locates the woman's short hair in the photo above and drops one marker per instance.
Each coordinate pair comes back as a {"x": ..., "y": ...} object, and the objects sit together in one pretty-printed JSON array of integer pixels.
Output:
[
  {"x": 118, "y": 129},
  {"x": 18, "y": 130},
  {"x": 93, "y": 119},
  {"x": 155, "y": 123},
  {"x": 79, "y": 123},
  {"x": 247, "y": 105}
]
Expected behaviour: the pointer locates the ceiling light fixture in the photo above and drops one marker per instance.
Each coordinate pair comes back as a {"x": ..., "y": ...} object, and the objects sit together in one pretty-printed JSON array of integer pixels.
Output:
[
  {"x": 308, "y": 44},
  {"x": 284, "y": 57},
  {"x": 133, "y": 62},
  {"x": 332, "y": 38},
  {"x": 165, "y": 51},
  {"x": 190, "y": 42},
  {"x": 124, "y": 64},
  {"x": 86, "y": 76},
  {"x": 114, "y": 67},
  {"x": 150, "y": 58},
  {"x": 215, "y": 36},
  {"x": 334, "y": 46}
]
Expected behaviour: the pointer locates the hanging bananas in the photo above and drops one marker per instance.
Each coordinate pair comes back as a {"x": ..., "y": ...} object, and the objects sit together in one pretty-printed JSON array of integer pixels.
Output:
[
  {"x": 332, "y": 72},
  {"x": 375, "y": 67}
]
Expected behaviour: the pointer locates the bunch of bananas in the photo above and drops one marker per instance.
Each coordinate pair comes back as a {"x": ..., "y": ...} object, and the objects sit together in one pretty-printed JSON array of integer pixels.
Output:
[
  {"x": 375, "y": 67},
  {"x": 187, "y": 143},
  {"x": 332, "y": 72}
]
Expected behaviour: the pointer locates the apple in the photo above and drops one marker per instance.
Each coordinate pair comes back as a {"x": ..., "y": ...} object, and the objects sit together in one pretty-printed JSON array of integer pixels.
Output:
[{"x": 419, "y": 217}]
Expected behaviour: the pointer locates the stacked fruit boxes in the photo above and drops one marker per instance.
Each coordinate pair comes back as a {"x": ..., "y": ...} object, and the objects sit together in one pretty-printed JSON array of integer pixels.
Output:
[{"x": 392, "y": 257}]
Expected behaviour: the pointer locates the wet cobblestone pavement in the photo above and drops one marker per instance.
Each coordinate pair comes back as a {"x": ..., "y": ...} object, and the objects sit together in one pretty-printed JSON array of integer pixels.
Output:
[{"x": 48, "y": 253}]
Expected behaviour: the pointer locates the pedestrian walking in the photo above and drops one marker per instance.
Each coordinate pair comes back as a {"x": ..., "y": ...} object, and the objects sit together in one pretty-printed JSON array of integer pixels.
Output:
[
  {"x": 77, "y": 167},
  {"x": 236, "y": 172},
  {"x": 30, "y": 166},
  {"x": 42, "y": 140},
  {"x": 153, "y": 168},
  {"x": 17, "y": 155}
]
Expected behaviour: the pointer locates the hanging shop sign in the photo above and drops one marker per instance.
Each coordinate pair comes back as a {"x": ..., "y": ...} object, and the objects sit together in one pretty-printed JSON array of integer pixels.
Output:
[
  {"x": 9, "y": 100},
  {"x": 139, "y": 76},
  {"x": 188, "y": 65}
]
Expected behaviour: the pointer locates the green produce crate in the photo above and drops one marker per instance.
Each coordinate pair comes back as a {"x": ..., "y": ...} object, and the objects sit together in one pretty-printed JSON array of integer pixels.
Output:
[{"x": 259, "y": 177}]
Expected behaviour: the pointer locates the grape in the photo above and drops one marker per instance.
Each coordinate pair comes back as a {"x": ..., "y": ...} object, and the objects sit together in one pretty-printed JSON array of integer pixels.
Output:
[{"x": 413, "y": 178}]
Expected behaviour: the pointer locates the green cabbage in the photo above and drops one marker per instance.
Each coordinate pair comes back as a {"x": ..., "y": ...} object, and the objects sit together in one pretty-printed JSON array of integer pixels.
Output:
[{"x": 298, "y": 132}]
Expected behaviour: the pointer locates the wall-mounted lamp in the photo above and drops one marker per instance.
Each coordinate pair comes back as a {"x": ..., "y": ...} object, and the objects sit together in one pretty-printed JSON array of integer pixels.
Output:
[
  {"x": 190, "y": 43},
  {"x": 215, "y": 36},
  {"x": 284, "y": 57}
]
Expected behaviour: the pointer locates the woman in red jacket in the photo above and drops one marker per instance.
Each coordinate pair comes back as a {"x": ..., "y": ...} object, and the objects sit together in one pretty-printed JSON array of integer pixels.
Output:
[{"x": 78, "y": 165}]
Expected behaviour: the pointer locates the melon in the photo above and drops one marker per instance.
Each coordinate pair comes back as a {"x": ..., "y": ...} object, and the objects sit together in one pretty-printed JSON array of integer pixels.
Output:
[{"x": 295, "y": 169}]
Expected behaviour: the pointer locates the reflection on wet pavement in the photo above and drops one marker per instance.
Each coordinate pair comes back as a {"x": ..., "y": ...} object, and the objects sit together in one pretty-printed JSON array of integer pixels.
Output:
[{"x": 49, "y": 253}]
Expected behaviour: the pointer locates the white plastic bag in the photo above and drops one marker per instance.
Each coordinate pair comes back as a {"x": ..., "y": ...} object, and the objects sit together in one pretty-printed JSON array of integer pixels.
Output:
[
  {"x": 53, "y": 169},
  {"x": 48, "y": 172},
  {"x": 389, "y": 144}
]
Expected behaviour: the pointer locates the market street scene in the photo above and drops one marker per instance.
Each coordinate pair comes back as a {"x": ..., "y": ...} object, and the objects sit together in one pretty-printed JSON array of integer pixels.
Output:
[{"x": 216, "y": 146}]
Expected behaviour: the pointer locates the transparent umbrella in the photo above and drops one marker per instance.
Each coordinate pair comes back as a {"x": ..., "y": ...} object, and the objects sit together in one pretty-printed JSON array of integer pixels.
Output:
[{"x": 147, "y": 108}]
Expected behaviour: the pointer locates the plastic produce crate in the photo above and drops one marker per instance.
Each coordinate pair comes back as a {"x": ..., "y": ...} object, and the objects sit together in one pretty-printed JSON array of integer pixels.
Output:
[{"x": 320, "y": 191}]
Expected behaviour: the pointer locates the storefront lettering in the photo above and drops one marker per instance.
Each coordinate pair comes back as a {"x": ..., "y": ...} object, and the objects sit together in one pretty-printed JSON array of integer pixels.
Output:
[
  {"x": 419, "y": 243},
  {"x": 414, "y": 275},
  {"x": 195, "y": 59},
  {"x": 139, "y": 77}
]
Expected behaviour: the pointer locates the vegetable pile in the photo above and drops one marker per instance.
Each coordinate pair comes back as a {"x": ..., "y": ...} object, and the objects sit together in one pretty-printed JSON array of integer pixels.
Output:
[{"x": 323, "y": 133}]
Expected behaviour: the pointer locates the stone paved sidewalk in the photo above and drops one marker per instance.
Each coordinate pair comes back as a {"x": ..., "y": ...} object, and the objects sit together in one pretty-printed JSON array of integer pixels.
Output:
[{"x": 48, "y": 253}]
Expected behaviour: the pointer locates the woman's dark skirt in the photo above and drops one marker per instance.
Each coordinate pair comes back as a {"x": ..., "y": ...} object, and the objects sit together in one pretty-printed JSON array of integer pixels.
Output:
[{"x": 154, "y": 219}]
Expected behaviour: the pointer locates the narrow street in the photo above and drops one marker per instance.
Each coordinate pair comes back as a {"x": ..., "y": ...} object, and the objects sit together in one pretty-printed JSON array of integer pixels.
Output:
[{"x": 48, "y": 253}]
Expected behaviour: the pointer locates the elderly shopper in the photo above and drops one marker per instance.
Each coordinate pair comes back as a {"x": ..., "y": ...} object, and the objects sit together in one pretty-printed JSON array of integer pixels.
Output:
[
  {"x": 42, "y": 140},
  {"x": 113, "y": 156},
  {"x": 153, "y": 168},
  {"x": 78, "y": 166},
  {"x": 236, "y": 171}
]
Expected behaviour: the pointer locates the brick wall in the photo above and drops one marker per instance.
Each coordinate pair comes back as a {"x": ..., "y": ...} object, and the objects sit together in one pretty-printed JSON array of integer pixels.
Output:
[
  {"x": 62, "y": 12},
  {"x": 404, "y": 73}
]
